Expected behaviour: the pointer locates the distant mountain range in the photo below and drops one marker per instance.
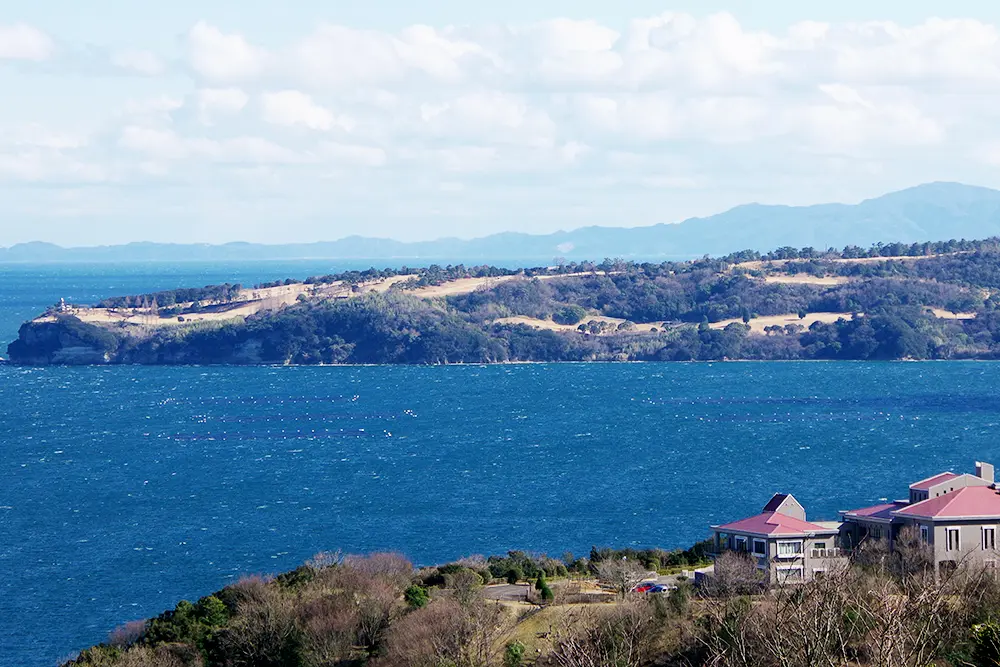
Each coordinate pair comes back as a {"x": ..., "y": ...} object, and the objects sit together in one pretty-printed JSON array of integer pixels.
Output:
[{"x": 932, "y": 212}]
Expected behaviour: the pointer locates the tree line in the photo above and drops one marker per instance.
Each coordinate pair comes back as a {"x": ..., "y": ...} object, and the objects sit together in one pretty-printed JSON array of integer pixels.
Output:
[
  {"x": 889, "y": 310},
  {"x": 884, "y": 607}
]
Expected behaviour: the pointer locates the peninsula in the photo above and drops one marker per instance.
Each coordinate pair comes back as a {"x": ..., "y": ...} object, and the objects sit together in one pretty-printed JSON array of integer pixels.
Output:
[{"x": 890, "y": 301}]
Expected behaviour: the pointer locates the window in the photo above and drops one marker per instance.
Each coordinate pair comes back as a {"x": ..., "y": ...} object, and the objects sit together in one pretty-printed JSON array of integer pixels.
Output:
[
  {"x": 819, "y": 573},
  {"x": 820, "y": 546},
  {"x": 954, "y": 543},
  {"x": 989, "y": 538},
  {"x": 740, "y": 544},
  {"x": 790, "y": 549},
  {"x": 788, "y": 573},
  {"x": 759, "y": 548},
  {"x": 876, "y": 532},
  {"x": 925, "y": 535}
]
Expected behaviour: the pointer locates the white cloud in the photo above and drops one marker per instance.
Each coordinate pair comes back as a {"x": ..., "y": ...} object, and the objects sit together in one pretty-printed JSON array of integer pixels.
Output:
[
  {"x": 292, "y": 107},
  {"x": 37, "y": 154},
  {"x": 218, "y": 56},
  {"x": 563, "y": 111},
  {"x": 37, "y": 135},
  {"x": 160, "y": 106},
  {"x": 23, "y": 42},
  {"x": 146, "y": 63},
  {"x": 215, "y": 102},
  {"x": 845, "y": 95},
  {"x": 48, "y": 167},
  {"x": 159, "y": 144},
  {"x": 353, "y": 154},
  {"x": 492, "y": 115}
]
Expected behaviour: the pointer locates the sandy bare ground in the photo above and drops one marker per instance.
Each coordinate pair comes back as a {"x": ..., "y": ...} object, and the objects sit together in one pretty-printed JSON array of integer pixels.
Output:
[
  {"x": 552, "y": 326},
  {"x": 806, "y": 279},
  {"x": 460, "y": 286},
  {"x": 384, "y": 284},
  {"x": 758, "y": 324},
  {"x": 469, "y": 285},
  {"x": 248, "y": 302},
  {"x": 948, "y": 315},
  {"x": 777, "y": 263}
]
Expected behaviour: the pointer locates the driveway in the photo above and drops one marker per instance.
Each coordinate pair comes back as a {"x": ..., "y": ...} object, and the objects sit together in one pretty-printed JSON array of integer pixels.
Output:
[{"x": 508, "y": 592}]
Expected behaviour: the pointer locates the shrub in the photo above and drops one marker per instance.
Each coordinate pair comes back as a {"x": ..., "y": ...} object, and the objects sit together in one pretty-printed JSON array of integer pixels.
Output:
[
  {"x": 513, "y": 654},
  {"x": 543, "y": 589},
  {"x": 297, "y": 578},
  {"x": 211, "y": 611},
  {"x": 986, "y": 644},
  {"x": 416, "y": 596},
  {"x": 569, "y": 315}
]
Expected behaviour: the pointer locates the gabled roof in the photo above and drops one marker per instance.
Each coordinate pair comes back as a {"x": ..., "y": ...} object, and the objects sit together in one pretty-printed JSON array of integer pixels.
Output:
[
  {"x": 774, "y": 503},
  {"x": 774, "y": 523},
  {"x": 970, "y": 502},
  {"x": 926, "y": 484},
  {"x": 878, "y": 512}
]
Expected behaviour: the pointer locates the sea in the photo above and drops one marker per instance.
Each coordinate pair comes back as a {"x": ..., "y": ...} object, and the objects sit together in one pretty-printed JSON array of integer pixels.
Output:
[{"x": 126, "y": 489}]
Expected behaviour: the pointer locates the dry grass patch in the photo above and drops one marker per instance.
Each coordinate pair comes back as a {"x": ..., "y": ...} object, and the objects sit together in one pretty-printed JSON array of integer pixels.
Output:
[
  {"x": 806, "y": 279},
  {"x": 553, "y": 326},
  {"x": 758, "y": 324}
]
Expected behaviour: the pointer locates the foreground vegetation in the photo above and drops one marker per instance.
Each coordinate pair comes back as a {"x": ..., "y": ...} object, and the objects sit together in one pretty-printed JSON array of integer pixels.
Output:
[
  {"x": 883, "y": 609},
  {"x": 890, "y": 300}
]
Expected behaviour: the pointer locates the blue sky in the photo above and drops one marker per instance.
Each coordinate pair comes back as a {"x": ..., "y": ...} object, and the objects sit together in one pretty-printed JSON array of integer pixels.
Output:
[{"x": 299, "y": 121}]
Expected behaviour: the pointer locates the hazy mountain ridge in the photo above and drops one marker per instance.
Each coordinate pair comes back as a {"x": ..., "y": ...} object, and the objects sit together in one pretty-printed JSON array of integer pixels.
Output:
[{"x": 931, "y": 212}]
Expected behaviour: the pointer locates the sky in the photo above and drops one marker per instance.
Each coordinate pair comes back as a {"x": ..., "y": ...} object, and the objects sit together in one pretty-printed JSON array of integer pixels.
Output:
[{"x": 246, "y": 120}]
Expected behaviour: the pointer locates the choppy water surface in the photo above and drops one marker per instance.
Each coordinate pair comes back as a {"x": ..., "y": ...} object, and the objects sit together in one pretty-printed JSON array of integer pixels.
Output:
[{"x": 125, "y": 489}]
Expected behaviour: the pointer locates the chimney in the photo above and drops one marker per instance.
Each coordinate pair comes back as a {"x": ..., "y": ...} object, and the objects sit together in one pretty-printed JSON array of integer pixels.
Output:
[{"x": 985, "y": 471}]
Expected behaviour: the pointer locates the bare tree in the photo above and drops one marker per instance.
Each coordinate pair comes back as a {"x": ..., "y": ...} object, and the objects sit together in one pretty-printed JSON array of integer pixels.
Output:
[
  {"x": 909, "y": 556},
  {"x": 263, "y": 632},
  {"x": 128, "y": 634},
  {"x": 143, "y": 656},
  {"x": 620, "y": 574},
  {"x": 912, "y": 557},
  {"x": 850, "y": 616},
  {"x": 619, "y": 636},
  {"x": 325, "y": 559},
  {"x": 329, "y": 627},
  {"x": 734, "y": 574},
  {"x": 465, "y": 586},
  {"x": 392, "y": 567},
  {"x": 447, "y": 633}
]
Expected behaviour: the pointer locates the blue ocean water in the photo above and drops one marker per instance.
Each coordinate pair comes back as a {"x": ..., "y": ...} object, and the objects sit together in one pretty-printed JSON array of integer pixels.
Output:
[{"x": 125, "y": 489}]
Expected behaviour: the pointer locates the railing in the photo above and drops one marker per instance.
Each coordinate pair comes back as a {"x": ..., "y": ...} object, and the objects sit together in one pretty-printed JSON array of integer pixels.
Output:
[
  {"x": 826, "y": 553},
  {"x": 837, "y": 552}
]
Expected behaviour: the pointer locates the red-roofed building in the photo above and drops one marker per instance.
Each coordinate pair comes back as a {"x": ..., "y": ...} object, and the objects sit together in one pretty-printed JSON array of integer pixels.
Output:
[
  {"x": 957, "y": 515},
  {"x": 785, "y": 545},
  {"x": 926, "y": 484}
]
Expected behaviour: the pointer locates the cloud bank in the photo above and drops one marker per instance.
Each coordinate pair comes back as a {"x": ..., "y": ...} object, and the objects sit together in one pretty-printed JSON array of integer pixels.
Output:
[{"x": 467, "y": 130}]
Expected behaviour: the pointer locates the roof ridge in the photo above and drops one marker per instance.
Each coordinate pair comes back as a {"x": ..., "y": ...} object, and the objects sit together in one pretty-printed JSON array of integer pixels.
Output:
[{"x": 927, "y": 479}]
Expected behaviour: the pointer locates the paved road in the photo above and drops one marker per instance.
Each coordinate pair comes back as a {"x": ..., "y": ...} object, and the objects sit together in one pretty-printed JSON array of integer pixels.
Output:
[{"x": 507, "y": 592}]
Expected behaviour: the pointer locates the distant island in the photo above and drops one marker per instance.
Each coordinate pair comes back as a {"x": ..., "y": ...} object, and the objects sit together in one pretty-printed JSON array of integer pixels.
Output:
[
  {"x": 931, "y": 212},
  {"x": 890, "y": 301}
]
